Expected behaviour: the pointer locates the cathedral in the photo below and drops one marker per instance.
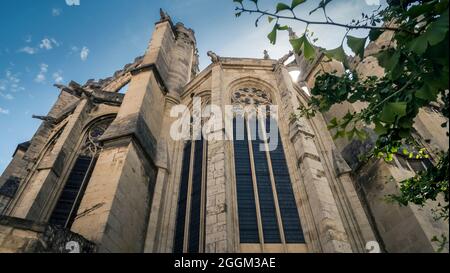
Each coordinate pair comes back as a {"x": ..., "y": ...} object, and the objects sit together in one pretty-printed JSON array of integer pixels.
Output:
[{"x": 103, "y": 173}]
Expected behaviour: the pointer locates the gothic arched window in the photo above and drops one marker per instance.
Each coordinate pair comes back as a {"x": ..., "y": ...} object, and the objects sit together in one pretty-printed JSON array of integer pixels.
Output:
[
  {"x": 267, "y": 210},
  {"x": 69, "y": 200}
]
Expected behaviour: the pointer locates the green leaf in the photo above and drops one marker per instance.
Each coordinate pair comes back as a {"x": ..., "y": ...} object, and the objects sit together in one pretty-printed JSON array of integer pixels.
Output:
[
  {"x": 283, "y": 27},
  {"x": 427, "y": 93},
  {"x": 273, "y": 35},
  {"x": 418, "y": 10},
  {"x": 297, "y": 45},
  {"x": 281, "y": 7},
  {"x": 337, "y": 54},
  {"x": 380, "y": 129},
  {"x": 295, "y": 3},
  {"x": 436, "y": 33},
  {"x": 389, "y": 59},
  {"x": 357, "y": 45},
  {"x": 419, "y": 45},
  {"x": 308, "y": 50},
  {"x": 238, "y": 1},
  {"x": 437, "y": 30},
  {"x": 302, "y": 45},
  {"x": 333, "y": 124},
  {"x": 374, "y": 34},
  {"x": 393, "y": 110},
  {"x": 270, "y": 19}
]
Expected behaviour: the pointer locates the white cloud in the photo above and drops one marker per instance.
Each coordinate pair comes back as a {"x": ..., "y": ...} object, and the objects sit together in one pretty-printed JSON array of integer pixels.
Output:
[
  {"x": 373, "y": 2},
  {"x": 12, "y": 78},
  {"x": 6, "y": 96},
  {"x": 4, "y": 111},
  {"x": 57, "y": 77},
  {"x": 73, "y": 2},
  {"x": 10, "y": 84},
  {"x": 84, "y": 53},
  {"x": 41, "y": 77},
  {"x": 56, "y": 12},
  {"x": 48, "y": 44},
  {"x": 28, "y": 50}
]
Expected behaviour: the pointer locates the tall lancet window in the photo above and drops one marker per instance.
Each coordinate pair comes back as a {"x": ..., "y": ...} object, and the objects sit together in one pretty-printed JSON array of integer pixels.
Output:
[
  {"x": 66, "y": 208},
  {"x": 267, "y": 210},
  {"x": 191, "y": 208}
]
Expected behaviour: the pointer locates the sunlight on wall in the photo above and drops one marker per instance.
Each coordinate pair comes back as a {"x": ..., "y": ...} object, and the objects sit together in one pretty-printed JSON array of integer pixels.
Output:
[{"x": 294, "y": 75}]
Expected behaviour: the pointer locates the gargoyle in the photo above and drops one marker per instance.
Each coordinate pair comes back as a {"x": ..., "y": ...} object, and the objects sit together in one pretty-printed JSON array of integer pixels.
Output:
[{"x": 214, "y": 57}]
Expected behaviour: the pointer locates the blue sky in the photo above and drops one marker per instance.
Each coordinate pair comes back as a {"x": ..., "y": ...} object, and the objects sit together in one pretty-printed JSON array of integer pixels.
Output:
[{"x": 47, "y": 41}]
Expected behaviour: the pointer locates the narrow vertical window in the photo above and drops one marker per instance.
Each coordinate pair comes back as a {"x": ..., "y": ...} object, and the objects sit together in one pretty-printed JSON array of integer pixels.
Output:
[
  {"x": 248, "y": 223},
  {"x": 182, "y": 200},
  {"x": 289, "y": 214},
  {"x": 189, "y": 230},
  {"x": 265, "y": 191},
  {"x": 196, "y": 199}
]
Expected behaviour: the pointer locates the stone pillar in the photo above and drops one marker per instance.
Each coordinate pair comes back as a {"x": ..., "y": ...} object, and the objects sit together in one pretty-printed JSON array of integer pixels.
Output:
[
  {"x": 332, "y": 236},
  {"x": 218, "y": 194},
  {"x": 158, "y": 231}
]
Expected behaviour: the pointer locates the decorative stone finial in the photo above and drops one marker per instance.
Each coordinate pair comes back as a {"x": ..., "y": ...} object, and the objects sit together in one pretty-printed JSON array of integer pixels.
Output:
[
  {"x": 266, "y": 55},
  {"x": 164, "y": 15},
  {"x": 214, "y": 57}
]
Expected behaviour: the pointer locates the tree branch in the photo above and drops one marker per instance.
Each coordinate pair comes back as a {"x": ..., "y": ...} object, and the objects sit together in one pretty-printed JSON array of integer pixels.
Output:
[{"x": 294, "y": 17}]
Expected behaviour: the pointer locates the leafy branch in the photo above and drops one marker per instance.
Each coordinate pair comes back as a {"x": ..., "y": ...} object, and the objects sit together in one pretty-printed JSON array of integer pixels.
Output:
[{"x": 416, "y": 68}]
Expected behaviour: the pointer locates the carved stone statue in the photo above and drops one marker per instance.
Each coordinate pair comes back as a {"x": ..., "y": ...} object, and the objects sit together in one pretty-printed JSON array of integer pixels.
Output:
[
  {"x": 283, "y": 59},
  {"x": 214, "y": 57},
  {"x": 266, "y": 55}
]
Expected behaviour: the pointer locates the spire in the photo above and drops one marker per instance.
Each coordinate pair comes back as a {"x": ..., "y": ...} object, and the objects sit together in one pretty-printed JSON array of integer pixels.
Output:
[{"x": 164, "y": 15}]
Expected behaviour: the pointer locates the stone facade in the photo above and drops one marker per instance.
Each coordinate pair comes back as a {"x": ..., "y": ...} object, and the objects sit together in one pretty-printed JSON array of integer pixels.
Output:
[{"x": 128, "y": 200}]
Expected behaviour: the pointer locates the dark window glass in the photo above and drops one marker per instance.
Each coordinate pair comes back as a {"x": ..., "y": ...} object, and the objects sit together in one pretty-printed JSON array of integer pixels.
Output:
[
  {"x": 248, "y": 224},
  {"x": 403, "y": 163},
  {"x": 265, "y": 192},
  {"x": 417, "y": 165},
  {"x": 68, "y": 203},
  {"x": 196, "y": 198},
  {"x": 182, "y": 200},
  {"x": 288, "y": 207}
]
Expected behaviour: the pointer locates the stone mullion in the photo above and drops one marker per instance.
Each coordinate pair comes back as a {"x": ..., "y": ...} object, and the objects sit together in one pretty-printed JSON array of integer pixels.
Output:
[
  {"x": 188, "y": 200},
  {"x": 203, "y": 198},
  {"x": 255, "y": 186},
  {"x": 274, "y": 188}
]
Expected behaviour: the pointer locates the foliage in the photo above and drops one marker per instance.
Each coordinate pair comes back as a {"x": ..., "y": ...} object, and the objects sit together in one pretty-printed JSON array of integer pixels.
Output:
[{"x": 416, "y": 75}]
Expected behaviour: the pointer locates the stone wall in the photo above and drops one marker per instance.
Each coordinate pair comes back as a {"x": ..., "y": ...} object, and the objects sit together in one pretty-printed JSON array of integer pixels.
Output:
[{"x": 23, "y": 236}]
